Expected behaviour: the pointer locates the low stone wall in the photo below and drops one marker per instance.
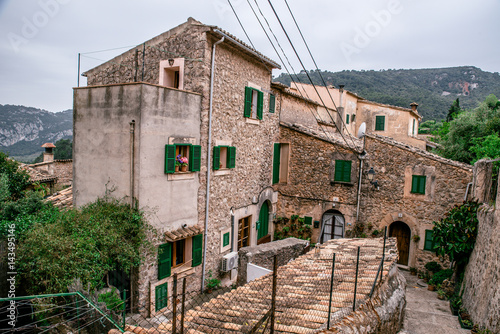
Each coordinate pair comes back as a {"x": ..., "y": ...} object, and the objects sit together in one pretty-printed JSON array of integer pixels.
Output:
[
  {"x": 384, "y": 313},
  {"x": 262, "y": 255}
]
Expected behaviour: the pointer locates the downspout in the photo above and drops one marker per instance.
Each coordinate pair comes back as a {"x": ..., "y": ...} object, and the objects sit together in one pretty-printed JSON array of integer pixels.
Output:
[
  {"x": 360, "y": 179},
  {"x": 232, "y": 230},
  {"x": 212, "y": 73},
  {"x": 132, "y": 157}
]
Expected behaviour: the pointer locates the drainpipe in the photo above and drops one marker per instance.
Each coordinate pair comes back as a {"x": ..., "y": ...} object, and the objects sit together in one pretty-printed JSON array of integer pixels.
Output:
[
  {"x": 362, "y": 158},
  {"x": 341, "y": 108},
  {"x": 212, "y": 73},
  {"x": 232, "y": 230},
  {"x": 132, "y": 149}
]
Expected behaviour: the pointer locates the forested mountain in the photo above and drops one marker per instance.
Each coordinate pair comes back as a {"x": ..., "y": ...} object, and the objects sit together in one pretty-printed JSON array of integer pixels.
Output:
[
  {"x": 24, "y": 129},
  {"x": 433, "y": 89}
]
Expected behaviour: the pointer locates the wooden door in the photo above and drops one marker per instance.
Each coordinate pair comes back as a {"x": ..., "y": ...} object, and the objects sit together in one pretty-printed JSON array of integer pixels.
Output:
[
  {"x": 402, "y": 233},
  {"x": 263, "y": 224}
]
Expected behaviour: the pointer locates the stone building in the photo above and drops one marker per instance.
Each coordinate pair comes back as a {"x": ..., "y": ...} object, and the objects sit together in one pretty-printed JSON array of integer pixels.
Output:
[
  {"x": 355, "y": 112},
  {"x": 192, "y": 87},
  {"x": 323, "y": 177}
]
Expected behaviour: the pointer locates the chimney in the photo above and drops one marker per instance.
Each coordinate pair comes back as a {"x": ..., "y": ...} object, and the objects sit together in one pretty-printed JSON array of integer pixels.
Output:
[
  {"x": 48, "y": 155},
  {"x": 414, "y": 106}
]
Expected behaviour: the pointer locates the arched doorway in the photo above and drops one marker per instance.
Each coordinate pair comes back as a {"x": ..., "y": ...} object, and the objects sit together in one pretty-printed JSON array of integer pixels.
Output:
[
  {"x": 263, "y": 235},
  {"x": 333, "y": 226},
  {"x": 402, "y": 233}
]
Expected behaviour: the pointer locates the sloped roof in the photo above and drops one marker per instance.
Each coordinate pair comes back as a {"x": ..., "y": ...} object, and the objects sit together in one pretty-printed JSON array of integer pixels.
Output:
[
  {"x": 36, "y": 175},
  {"x": 183, "y": 233},
  {"x": 63, "y": 198}
]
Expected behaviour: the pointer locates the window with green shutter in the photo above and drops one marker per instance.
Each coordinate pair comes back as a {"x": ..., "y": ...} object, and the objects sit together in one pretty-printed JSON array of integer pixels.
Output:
[
  {"x": 379, "y": 123},
  {"x": 195, "y": 158},
  {"x": 342, "y": 171},
  {"x": 347, "y": 119},
  {"x": 169, "y": 159},
  {"x": 272, "y": 103},
  {"x": 178, "y": 151},
  {"x": 276, "y": 163},
  {"x": 254, "y": 103},
  {"x": 216, "y": 159},
  {"x": 224, "y": 157},
  {"x": 197, "y": 250},
  {"x": 418, "y": 184},
  {"x": 308, "y": 220},
  {"x": 429, "y": 240},
  {"x": 225, "y": 239},
  {"x": 231, "y": 157},
  {"x": 161, "y": 296},
  {"x": 164, "y": 260}
]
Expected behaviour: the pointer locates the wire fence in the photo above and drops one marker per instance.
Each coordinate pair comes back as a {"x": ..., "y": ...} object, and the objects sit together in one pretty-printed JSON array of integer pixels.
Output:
[{"x": 309, "y": 294}]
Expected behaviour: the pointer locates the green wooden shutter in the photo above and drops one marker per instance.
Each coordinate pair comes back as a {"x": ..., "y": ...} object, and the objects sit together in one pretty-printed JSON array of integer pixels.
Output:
[
  {"x": 379, "y": 123},
  {"x": 216, "y": 157},
  {"x": 161, "y": 296},
  {"x": 231, "y": 157},
  {"x": 338, "y": 170},
  {"x": 195, "y": 158},
  {"x": 197, "y": 250},
  {"x": 347, "y": 171},
  {"x": 276, "y": 163},
  {"x": 164, "y": 260},
  {"x": 421, "y": 185},
  {"x": 248, "y": 102},
  {"x": 429, "y": 240},
  {"x": 308, "y": 220},
  {"x": 342, "y": 171},
  {"x": 225, "y": 239},
  {"x": 347, "y": 119},
  {"x": 260, "y": 104},
  {"x": 272, "y": 103},
  {"x": 169, "y": 159},
  {"x": 418, "y": 184}
]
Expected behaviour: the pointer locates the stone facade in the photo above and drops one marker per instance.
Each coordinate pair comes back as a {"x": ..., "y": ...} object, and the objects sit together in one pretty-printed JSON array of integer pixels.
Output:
[
  {"x": 482, "y": 280},
  {"x": 62, "y": 169}
]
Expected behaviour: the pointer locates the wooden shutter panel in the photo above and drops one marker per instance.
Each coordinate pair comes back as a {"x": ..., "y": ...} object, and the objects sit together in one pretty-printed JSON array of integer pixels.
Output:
[
  {"x": 161, "y": 296},
  {"x": 414, "y": 184},
  {"x": 421, "y": 185},
  {"x": 272, "y": 103},
  {"x": 347, "y": 119},
  {"x": 339, "y": 165},
  {"x": 429, "y": 240},
  {"x": 308, "y": 220},
  {"x": 347, "y": 171},
  {"x": 169, "y": 159},
  {"x": 216, "y": 163},
  {"x": 195, "y": 158},
  {"x": 225, "y": 239},
  {"x": 260, "y": 104},
  {"x": 248, "y": 102},
  {"x": 197, "y": 250},
  {"x": 379, "y": 123},
  {"x": 164, "y": 260},
  {"x": 231, "y": 157},
  {"x": 276, "y": 163}
]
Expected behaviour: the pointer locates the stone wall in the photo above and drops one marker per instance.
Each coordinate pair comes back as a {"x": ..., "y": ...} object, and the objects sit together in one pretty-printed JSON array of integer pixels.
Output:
[
  {"x": 482, "y": 276},
  {"x": 383, "y": 313},
  {"x": 263, "y": 255}
]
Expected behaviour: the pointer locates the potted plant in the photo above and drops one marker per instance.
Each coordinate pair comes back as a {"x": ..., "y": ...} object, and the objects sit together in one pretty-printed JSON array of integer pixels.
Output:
[
  {"x": 455, "y": 305},
  {"x": 464, "y": 319},
  {"x": 211, "y": 283},
  {"x": 416, "y": 238},
  {"x": 441, "y": 294},
  {"x": 183, "y": 161},
  {"x": 431, "y": 287},
  {"x": 413, "y": 271},
  {"x": 177, "y": 165}
]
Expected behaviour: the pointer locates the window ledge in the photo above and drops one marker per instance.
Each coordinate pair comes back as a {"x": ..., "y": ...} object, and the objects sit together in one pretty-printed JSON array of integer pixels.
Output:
[
  {"x": 219, "y": 172},
  {"x": 252, "y": 121},
  {"x": 341, "y": 182},
  {"x": 180, "y": 176}
]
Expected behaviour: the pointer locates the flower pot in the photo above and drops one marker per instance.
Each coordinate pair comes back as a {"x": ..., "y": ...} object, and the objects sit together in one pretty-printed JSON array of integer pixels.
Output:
[
  {"x": 176, "y": 168},
  {"x": 184, "y": 168},
  {"x": 464, "y": 326},
  {"x": 431, "y": 287}
]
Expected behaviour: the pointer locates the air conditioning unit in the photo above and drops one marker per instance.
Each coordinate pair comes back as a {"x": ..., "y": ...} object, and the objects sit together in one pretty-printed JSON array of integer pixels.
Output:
[{"x": 230, "y": 261}]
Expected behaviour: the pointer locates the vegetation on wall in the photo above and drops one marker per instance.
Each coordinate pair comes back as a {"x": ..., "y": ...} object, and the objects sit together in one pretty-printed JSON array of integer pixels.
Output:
[{"x": 295, "y": 227}]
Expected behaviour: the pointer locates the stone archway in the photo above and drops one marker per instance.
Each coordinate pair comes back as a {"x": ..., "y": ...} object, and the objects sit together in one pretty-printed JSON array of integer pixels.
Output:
[
  {"x": 412, "y": 224},
  {"x": 402, "y": 233},
  {"x": 332, "y": 226}
]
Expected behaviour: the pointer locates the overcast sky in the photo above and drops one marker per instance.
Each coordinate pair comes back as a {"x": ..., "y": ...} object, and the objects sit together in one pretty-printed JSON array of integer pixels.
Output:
[{"x": 40, "y": 39}]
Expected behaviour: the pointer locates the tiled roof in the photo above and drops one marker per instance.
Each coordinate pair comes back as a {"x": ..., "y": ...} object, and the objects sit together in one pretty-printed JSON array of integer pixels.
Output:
[
  {"x": 350, "y": 142},
  {"x": 419, "y": 151},
  {"x": 36, "y": 175},
  {"x": 63, "y": 198},
  {"x": 183, "y": 233},
  {"x": 303, "y": 291},
  {"x": 48, "y": 145}
]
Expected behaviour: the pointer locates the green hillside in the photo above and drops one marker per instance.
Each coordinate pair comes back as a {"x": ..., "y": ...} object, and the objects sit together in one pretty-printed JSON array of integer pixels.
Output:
[{"x": 433, "y": 89}]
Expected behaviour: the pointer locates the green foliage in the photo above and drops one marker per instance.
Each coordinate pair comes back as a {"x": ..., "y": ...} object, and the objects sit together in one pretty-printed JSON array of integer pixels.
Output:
[
  {"x": 63, "y": 151},
  {"x": 18, "y": 180},
  {"x": 440, "y": 276},
  {"x": 210, "y": 282},
  {"x": 453, "y": 111},
  {"x": 433, "y": 266},
  {"x": 112, "y": 300},
  {"x": 4, "y": 187},
  {"x": 455, "y": 234},
  {"x": 292, "y": 228},
  {"x": 486, "y": 147},
  {"x": 64, "y": 245}
]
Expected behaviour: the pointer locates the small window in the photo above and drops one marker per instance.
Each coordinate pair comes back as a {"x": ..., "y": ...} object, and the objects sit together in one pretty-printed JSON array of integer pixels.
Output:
[
  {"x": 182, "y": 158},
  {"x": 347, "y": 119},
  {"x": 244, "y": 232},
  {"x": 308, "y": 220},
  {"x": 161, "y": 296},
  {"x": 224, "y": 157},
  {"x": 429, "y": 240},
  {"x": 254, "y": 101},
  {"x": 225, "y": 239},
  {"x": 272, "y": 103},
  {"x": 280, "y": 162},
  {"x": 379, "y": 123},
  {"x": 178, "y": 255},
  {"x": 418, "y": 184},
  {"x": 353, "y": 117},
  {"x": 413, "y": 129},
  {"x": 342, "y": 171}
]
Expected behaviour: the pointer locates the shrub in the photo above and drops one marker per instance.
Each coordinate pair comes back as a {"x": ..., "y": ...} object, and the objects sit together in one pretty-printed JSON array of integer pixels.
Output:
[
  {"x": 440, "y": 276},
  {"x": 433, "y": 266},
  {"x": 112, "y": 300}
]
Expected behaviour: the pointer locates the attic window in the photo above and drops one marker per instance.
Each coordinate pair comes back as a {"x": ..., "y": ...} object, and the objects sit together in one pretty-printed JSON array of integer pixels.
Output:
[{"x": 172, "y": 73}]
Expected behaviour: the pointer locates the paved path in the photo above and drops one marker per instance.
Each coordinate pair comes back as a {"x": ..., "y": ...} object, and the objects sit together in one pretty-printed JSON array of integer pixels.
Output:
[{"x": 425, "y": 313}]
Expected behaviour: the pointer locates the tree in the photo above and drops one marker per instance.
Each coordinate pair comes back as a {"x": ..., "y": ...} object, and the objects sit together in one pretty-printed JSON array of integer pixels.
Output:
[
  {"x": 17, "y": 180},
  {"x": 486, "y": 147},
  {"x": 453, "y": 111}
]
